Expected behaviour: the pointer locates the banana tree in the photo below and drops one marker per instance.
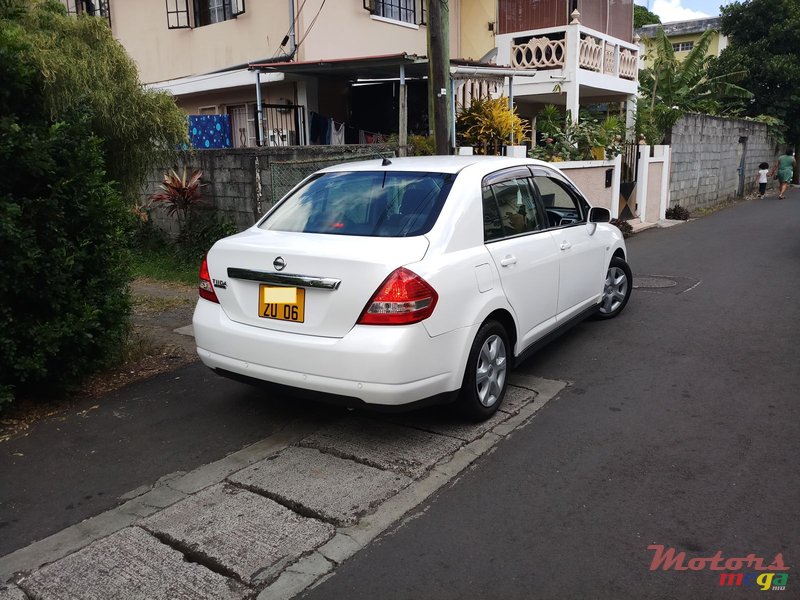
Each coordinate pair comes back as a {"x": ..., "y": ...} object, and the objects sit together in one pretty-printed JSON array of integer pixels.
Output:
[{"x": 672, "y": 88}]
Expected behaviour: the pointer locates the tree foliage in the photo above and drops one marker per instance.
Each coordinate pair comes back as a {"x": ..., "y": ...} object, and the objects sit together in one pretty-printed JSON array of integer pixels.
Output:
[
  {"x": 764, "y": 41},
  {"x": 642, "y": 17},
  {"x": 76, "y": 130},
  {"x": 62, "y": 237},
  {"x": 84, "y": 69},
  {"x": 586, "y": 139},
  {"x": 671, "y": 88}
]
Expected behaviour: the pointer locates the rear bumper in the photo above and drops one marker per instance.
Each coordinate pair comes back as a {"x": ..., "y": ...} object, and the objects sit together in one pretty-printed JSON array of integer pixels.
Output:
[{"x": 387, "y": 366}]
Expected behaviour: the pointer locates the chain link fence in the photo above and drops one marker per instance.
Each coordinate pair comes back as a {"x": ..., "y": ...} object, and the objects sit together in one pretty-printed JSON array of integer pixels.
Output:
[{"x": 287, "y": 174}]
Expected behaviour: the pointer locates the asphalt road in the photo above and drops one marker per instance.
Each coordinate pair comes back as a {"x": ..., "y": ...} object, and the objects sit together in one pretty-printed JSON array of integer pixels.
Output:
[
  {"x": 681, "y": 428},
  {"x": 77, "y": 465}
]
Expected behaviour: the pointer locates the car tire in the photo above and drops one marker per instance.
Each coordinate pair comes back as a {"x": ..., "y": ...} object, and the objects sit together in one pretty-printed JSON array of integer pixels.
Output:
[
  {"x": 616, "y": 289},
  {"x": 486, "y": 375}
]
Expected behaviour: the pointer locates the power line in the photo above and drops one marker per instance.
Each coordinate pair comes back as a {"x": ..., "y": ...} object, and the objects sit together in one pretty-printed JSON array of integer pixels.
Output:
[
  {"x": 310, "y": 25},
  {"x": 292, "y": 23}
]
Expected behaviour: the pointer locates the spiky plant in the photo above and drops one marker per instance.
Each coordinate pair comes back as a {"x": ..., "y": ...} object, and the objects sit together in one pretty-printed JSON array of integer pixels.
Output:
[{"x": 180, "y": 194}]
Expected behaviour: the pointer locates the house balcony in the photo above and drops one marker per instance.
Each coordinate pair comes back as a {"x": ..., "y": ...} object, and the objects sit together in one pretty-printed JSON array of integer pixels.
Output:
[{"x": 570, "y": 65}]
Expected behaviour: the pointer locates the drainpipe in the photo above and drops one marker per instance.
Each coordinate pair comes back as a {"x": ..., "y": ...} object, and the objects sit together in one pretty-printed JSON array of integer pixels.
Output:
[
  {"x": 259, "y": 110},
  {"x": 292, "y": 45}
]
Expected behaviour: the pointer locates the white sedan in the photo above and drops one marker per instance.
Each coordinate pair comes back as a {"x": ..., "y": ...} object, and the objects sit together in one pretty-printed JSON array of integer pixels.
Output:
[{"x": 409, "y": 281}]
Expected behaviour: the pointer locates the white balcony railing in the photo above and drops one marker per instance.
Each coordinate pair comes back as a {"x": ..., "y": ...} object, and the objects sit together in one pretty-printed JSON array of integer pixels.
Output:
[
  {"x": 550, "y": 49},
  {"x": 539, "y": 53}
]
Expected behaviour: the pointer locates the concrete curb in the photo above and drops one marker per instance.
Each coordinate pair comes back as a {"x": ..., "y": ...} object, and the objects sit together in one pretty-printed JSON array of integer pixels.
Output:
[{"x": 348, "y": 541}]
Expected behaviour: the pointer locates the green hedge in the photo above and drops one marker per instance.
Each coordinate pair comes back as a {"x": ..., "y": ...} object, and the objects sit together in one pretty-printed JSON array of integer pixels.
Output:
[{"x": 64, "y": 302}]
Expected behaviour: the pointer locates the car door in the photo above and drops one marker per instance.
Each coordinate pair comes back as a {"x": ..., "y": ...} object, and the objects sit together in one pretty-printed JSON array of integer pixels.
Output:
[
  {"x": 523, "y": 251},
  {"x": 581, "y": 253}
]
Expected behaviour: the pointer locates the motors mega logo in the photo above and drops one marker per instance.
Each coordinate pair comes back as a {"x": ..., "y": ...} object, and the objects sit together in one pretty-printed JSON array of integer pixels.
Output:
[{"x": 761, "y": 576}]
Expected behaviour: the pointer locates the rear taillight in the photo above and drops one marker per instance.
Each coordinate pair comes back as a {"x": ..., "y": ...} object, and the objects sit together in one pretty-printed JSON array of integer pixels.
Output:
[
  {"x": 206, "y": 288},
  {"x": 403, "y": 298}
]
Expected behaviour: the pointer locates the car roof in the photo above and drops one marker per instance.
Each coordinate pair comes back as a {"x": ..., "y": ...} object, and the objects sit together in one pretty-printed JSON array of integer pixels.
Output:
[{"x": 434, "y": 164}]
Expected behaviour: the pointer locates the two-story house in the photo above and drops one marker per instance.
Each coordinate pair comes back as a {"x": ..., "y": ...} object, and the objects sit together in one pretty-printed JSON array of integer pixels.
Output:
[
  {"x": 330, "y": 71},
  {"x": 683, "y": 35},
  {"x": 582, "y": 52}
]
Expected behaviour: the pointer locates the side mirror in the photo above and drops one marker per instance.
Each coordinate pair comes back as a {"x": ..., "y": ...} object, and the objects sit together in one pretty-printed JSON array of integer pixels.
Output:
[{"x": 599, "y": 215}]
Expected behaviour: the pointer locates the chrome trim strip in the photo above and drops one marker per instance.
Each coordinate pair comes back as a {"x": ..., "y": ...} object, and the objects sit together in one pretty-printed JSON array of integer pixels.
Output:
[{"x": 309, "y": 281}]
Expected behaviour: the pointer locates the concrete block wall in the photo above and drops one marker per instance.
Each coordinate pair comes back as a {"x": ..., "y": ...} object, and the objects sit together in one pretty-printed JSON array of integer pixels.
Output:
[
  {"x": 238, "y": 181},
  {"x": 705, "y": 160}
]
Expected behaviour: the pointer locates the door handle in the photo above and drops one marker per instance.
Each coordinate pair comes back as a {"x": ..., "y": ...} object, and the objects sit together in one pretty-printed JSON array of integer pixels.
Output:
[
  {"x": 565, "y": 245},
  {"x": 508, "y": 260}
]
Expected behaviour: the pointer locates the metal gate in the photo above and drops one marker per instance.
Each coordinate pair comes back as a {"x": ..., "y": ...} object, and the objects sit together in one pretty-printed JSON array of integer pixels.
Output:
[
  {"x": 629, "y": 176},
  {"x": 284, "y": 125}
]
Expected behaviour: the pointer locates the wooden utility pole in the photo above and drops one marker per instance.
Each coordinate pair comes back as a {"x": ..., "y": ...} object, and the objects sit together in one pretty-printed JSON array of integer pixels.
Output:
[{"x": 439, "y": 74}]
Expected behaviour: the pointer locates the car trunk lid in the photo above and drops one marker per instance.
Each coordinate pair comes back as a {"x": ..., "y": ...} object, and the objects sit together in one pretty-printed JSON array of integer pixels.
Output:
[{"x": 310, "y": 284}]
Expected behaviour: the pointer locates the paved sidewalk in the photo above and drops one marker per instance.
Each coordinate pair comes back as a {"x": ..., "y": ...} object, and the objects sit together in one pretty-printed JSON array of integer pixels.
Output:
[{"x": 271, "y": 519}]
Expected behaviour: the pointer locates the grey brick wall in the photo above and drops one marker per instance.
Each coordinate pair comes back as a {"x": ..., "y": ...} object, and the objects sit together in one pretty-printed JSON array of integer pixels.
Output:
[
  {"x": 705, "y": 159},
  {"x": 240, "y": 181}
]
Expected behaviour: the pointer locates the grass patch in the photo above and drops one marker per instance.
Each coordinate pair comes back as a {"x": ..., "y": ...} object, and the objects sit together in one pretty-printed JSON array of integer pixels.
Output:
[
  {"x": 164, "y": 264},
  {"x": 137, "y": 347}
]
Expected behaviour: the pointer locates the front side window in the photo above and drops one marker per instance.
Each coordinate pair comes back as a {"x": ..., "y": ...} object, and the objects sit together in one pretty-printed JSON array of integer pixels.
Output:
[
  {"x": 376, "y": 204},
  {"x": 560, "y": 204}
]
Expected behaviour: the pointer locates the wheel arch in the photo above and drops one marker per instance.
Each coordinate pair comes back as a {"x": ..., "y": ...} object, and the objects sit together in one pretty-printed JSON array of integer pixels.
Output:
[{"x": 505, "y": 319}]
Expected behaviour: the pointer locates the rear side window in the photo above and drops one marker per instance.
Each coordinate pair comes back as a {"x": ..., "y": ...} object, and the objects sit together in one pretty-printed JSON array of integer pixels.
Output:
[
  {"x": 377, "y": 204},
  {"x": 509, "y": 209}
]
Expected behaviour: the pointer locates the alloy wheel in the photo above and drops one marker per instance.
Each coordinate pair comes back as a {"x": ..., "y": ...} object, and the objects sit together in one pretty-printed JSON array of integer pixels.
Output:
[
  {"x": 490, "y": 376},
  {"x": 615, "y": 290}
]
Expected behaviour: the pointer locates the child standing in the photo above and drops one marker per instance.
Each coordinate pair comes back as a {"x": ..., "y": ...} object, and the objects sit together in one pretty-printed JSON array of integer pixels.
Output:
[{"x": 763, "y": 171}]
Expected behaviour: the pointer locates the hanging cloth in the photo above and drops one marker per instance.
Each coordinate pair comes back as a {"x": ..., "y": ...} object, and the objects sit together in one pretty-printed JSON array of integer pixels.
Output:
[{"x": 337, "y": 134}]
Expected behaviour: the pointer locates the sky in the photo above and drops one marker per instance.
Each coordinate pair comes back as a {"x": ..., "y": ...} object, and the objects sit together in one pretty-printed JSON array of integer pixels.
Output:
[{"x": 682, "y": 10}]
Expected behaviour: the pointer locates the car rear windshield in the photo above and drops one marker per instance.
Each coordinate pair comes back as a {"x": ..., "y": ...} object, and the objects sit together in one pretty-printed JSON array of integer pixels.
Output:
[{"x": 378, "y": 204}]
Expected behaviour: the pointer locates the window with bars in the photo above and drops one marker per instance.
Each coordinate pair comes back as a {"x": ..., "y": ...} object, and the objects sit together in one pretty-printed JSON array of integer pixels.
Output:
[
  {"x": 93, "y": 8},
  {"x": 398, "y": 10},
  {"x": 187, "y": 14}
]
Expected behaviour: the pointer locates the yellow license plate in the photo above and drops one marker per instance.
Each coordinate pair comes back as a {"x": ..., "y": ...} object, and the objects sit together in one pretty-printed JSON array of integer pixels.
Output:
[{"x": 281, "y": 303}]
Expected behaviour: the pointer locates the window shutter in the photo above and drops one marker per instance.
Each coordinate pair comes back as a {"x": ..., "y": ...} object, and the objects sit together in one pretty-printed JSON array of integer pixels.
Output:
[{"x": 178, "y": 14}]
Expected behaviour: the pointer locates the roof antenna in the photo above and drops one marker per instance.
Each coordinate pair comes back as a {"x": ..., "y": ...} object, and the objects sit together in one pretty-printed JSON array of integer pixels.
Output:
[{"x": 386, "y": 162}]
